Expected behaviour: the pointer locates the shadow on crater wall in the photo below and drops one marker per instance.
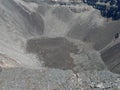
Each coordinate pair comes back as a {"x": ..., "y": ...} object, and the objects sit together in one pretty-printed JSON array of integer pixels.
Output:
[
  {"x": 111, "y": 57},
  {"x": 55, "y": 52}
]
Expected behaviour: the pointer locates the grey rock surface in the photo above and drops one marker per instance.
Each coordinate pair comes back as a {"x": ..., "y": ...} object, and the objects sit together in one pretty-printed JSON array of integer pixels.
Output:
[
  {"x": 54, "y": 79},
  {"x": 46, "y": 46}
]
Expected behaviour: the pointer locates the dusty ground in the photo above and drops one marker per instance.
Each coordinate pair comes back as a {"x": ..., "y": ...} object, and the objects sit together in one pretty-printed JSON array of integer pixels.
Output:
[{"x": 55, "y": 52}]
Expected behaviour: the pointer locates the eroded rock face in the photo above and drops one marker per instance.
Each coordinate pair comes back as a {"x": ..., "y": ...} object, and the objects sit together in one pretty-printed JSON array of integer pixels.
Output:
[
  {"x": 33, "y": 21},
  {"x": 63, "y": 13},
  {"x": 87, "y": 33}
]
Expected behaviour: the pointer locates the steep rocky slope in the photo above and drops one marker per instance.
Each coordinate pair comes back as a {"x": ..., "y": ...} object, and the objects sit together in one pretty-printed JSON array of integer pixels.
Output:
[{"x": 47, "y": 46}]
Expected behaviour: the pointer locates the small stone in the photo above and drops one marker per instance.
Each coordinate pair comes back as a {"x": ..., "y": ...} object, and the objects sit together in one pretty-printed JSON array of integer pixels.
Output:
[
  {"x": 92, "y": 85},
  {"x": 118, "y": 87},
  {"x": 118, "y": 80},
  {"x": 107, "y": 85},
  {"x": 100, "y": 85}
]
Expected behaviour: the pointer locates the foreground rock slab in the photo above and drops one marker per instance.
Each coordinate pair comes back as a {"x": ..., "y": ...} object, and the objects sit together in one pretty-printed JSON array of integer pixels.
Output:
[{"x": 54, "y": 79}]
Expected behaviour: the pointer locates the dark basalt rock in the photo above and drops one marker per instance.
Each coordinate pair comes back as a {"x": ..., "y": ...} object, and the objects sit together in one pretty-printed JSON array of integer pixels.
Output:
[{"x": 108, "y": 11}]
